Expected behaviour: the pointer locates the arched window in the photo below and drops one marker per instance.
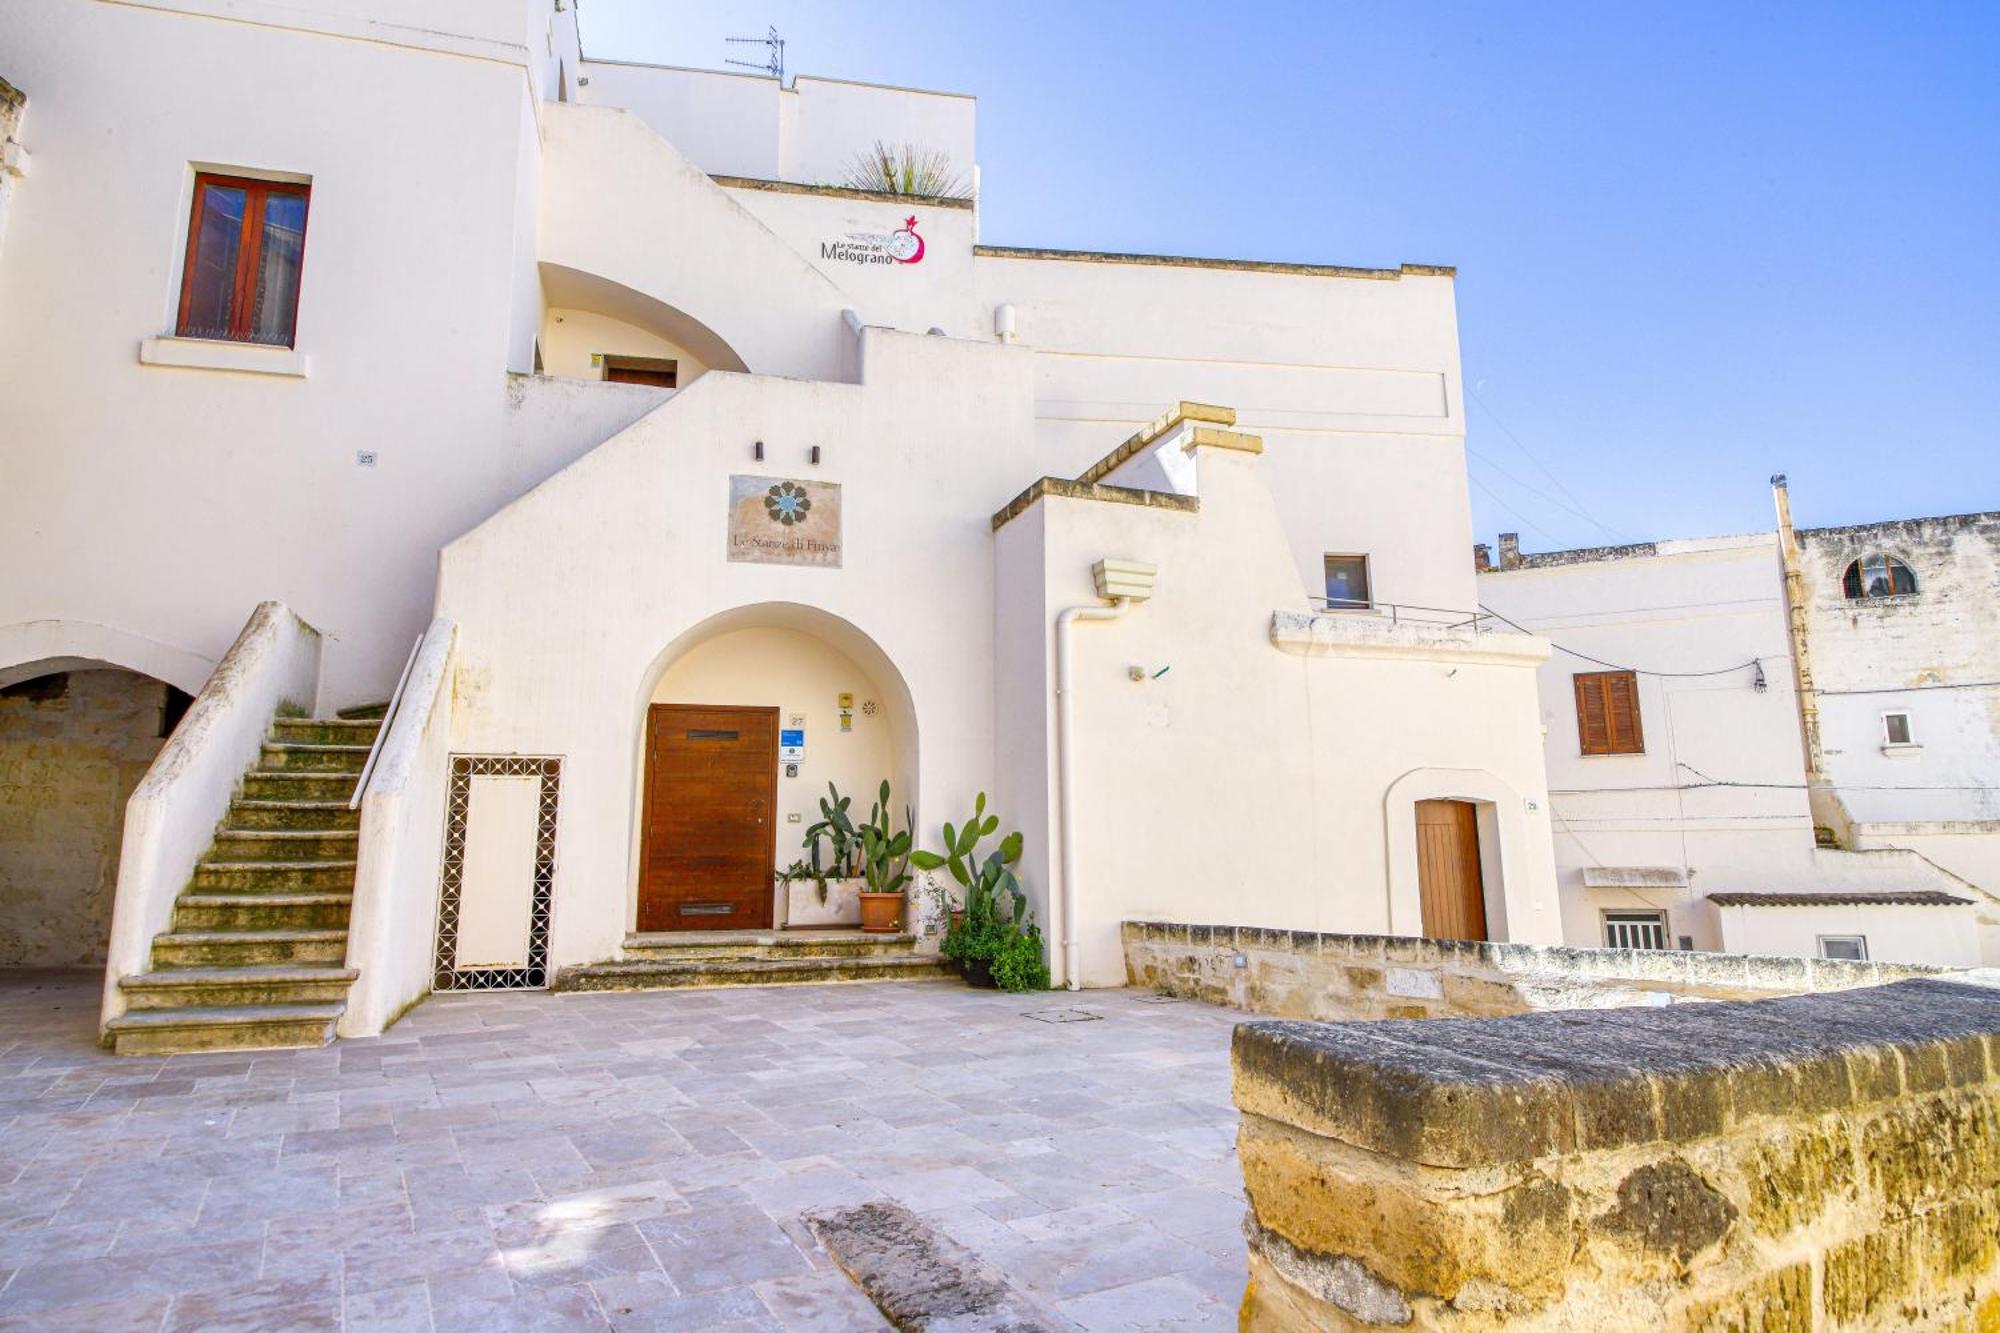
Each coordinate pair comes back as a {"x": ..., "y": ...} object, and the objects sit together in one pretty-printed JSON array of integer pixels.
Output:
[{"x": 1878, "y": 575}]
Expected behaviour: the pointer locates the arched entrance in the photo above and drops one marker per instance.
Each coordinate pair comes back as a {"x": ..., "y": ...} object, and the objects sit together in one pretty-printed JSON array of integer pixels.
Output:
[
  {"x": 76, "y": 736},
  {"x": 748, "y": 718}
]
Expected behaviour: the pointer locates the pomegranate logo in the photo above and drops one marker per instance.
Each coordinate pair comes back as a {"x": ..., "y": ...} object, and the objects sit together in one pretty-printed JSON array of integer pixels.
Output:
[
  {"x": 904, "y": 245},
  {"x": 901, "y": 246}
]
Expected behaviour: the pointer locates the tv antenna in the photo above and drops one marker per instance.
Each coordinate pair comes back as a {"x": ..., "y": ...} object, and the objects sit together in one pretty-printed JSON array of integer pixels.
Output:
[{"x": 774, "y": 53}]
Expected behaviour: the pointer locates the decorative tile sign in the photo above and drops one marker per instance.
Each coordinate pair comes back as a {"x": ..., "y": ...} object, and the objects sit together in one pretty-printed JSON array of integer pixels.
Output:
[{"x": 784, "y": 521}]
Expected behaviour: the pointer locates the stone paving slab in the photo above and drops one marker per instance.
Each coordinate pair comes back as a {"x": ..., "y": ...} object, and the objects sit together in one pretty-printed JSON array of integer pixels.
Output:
[{"x": 624, "y": 1161}]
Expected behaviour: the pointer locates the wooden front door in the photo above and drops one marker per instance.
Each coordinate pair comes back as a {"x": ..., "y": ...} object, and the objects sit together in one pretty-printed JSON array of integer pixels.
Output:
[
  {"x": 706, "y": 850},
  {"x": 1448, "y": 878}
]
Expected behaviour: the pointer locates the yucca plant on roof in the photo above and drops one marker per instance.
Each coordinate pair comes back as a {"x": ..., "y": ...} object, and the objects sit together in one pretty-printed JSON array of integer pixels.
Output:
[{"x": 924, "y": 173}]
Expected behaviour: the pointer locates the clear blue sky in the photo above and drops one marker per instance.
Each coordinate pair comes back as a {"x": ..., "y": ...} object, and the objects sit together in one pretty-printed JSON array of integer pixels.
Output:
[{"x": 1697, "y": 243}]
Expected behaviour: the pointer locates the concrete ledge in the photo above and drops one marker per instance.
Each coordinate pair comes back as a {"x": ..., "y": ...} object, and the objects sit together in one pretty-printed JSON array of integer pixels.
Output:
[
  {"x": 1473, "y": 1092},
  {"x": 1813, "y": 1161},
  {"x": 1361, "y": 633},
  {"x": 211, "y": 354},
  {"x": 1084, "y": 490},
  {"x": 835, "y": 191},
  {"x": 1146, "y": 436},
  {"x": 1231, "y": 265}
]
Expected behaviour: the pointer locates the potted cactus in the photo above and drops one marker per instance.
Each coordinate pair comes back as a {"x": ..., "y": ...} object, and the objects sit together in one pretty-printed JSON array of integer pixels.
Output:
[
  {"x": 991, "y": 938},
  {"x": 884, "y": 857}
]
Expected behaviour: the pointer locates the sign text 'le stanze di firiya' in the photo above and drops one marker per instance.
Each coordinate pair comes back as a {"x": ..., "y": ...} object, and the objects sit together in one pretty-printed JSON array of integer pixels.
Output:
[{"x": 784, "y": 521}]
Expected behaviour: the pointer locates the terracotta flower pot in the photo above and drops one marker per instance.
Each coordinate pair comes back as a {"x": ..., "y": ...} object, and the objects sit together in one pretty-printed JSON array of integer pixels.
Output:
[
  {"x": 957, "y": 919},
  {"x": 881, "y": 913}
]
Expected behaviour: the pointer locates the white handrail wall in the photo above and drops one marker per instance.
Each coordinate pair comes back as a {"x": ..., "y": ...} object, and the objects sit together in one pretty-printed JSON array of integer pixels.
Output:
[
  {"x": 391, "y": 927},
  {"x": 272, "y": 668}
]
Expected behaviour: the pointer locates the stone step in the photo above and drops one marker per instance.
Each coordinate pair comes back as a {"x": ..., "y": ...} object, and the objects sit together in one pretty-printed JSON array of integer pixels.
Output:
[
  {"x": 248, "y": 948},
  {"x": 653, "y": 975},
  {"x": 242, "y": 912},
  {"x": 304, "y": 816},
  {"x": 257, "y": 1027},
  {"x": 693, "y": 945},
  {"x": 213, "y": 987},
  {"x": 364, "y": 712},
  {"x": 294, "y": 785},
  {"x": 324, "y": 731},
  {"x": 280, "y": 756},
  {"x": 273, "y": 877},
  {"x": 284, "y": 845}
]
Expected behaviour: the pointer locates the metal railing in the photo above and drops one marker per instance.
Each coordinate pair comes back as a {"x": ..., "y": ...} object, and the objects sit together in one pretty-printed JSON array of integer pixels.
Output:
[
  {"x": 382, "y": 733},
  {"x": 1399, "y": 613}
]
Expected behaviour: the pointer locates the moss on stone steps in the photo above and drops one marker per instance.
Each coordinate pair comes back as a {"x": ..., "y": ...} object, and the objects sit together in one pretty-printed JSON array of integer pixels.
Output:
[
  {"x": 236, "y": 1027},
  {"x": 217, "y": 987},
  {"x": 653, "y": 975},
  {"x": 262, "y": 911}
]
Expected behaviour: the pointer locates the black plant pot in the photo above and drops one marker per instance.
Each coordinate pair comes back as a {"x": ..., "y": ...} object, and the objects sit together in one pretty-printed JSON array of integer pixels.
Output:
[{"x": 979, "y": 972}]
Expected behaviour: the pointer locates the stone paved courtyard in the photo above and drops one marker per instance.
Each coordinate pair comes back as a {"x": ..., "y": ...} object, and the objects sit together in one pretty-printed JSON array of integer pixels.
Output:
[{"x": 627, "y": 1161}]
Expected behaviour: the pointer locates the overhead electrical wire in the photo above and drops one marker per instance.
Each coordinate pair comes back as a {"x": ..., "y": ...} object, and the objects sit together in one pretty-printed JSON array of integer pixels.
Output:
[
  {"x": 1575, "y": 505},
  {"x": 1619, "y": 666}
]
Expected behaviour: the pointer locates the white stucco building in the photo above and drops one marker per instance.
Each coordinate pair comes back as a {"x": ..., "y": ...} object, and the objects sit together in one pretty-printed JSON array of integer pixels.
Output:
[
  {"x": 560, "y": 403},
  {"x": 1725, "y": 774}
]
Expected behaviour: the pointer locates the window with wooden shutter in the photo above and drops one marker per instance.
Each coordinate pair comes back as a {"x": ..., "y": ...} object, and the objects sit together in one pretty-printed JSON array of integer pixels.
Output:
[{"x": 1607, "y": 713}]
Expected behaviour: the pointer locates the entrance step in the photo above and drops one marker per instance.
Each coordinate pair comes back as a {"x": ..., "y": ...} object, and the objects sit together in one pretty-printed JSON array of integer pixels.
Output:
[
  {"x": 294, "y": 785},
  {"x": 692, "y": 945},
  {"x": 303, "y": 816},
  {"x": 223, "y": 1028},
  {"x": 325, "y": 731},
  {"x": 262, "y": 911},
  {"x": 315, "y": 757},
  {"x": 284, "y": 845},
  {"x": 248, "y": 948},
  {"x": 273, "y": 877},
  {"x": 652, "y": 974},
  {"x": 364, "y": 712},
  {"x": 212, "y": 987}
]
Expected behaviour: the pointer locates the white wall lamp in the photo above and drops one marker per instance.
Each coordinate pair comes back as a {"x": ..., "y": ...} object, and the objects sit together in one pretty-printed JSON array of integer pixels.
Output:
[{"x": 1122, "y": 584}]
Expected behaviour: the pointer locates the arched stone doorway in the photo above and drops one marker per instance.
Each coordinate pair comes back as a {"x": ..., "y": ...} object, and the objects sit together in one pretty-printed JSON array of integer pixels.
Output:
[
  {"x": 748, "y": 717},
  {"x": 76, "y": 736}
]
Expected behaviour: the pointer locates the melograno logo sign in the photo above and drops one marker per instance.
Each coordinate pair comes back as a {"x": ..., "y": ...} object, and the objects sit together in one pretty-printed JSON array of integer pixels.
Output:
[{"x": 901, "y": 246}]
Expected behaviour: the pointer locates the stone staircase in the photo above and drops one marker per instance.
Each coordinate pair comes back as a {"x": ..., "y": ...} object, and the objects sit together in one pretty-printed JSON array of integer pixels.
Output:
[
  {"x": 688, "y": 959},
  {"x": 256, "y": 957}
]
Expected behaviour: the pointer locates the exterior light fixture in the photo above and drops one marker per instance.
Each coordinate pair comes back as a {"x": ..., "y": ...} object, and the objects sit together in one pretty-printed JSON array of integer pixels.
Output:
[
  {"x": 1757, "y": 682},
  {"x": 1130, "y": 580}
]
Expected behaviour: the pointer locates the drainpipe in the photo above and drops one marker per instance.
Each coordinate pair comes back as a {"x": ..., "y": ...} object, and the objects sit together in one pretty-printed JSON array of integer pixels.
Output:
[{"x": 1121, "y": 583}]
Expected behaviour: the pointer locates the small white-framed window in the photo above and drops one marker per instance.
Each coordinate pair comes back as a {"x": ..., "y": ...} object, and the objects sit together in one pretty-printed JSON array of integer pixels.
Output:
[
  {"x": 1635, "y": 930},
  {"x": 1896, "y": 729},
  {"x": 1844, "y": 948}
]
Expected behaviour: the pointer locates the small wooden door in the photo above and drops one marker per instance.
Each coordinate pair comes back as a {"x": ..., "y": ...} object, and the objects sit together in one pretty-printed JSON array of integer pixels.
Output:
[
  {"x": 706, "y": 849},
  {"x": 1448, "y": 878}
]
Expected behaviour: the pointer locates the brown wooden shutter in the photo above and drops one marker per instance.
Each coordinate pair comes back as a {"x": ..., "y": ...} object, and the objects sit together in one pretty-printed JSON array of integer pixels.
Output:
[{"x": 1607, "y": 713}]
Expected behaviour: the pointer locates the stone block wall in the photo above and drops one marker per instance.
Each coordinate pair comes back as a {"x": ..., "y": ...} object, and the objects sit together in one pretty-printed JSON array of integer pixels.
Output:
[
  {"x": 1812, "y": 1162},
  {"x": 69, "y": 759},
  {"x": 1303, "y": 974}
]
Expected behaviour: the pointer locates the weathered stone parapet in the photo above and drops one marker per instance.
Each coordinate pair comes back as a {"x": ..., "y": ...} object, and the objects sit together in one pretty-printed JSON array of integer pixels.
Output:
[
  {"x": 1823, "y": 1161},
  {"x": 1307, "y": 974}
]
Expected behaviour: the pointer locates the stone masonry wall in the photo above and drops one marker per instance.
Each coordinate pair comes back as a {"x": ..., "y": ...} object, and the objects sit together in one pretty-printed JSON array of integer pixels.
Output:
[
  {"x": 1812, "y": 1162},
  {"x": 1303, "y": 974},
  {"x": 67, "y": 766}
]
